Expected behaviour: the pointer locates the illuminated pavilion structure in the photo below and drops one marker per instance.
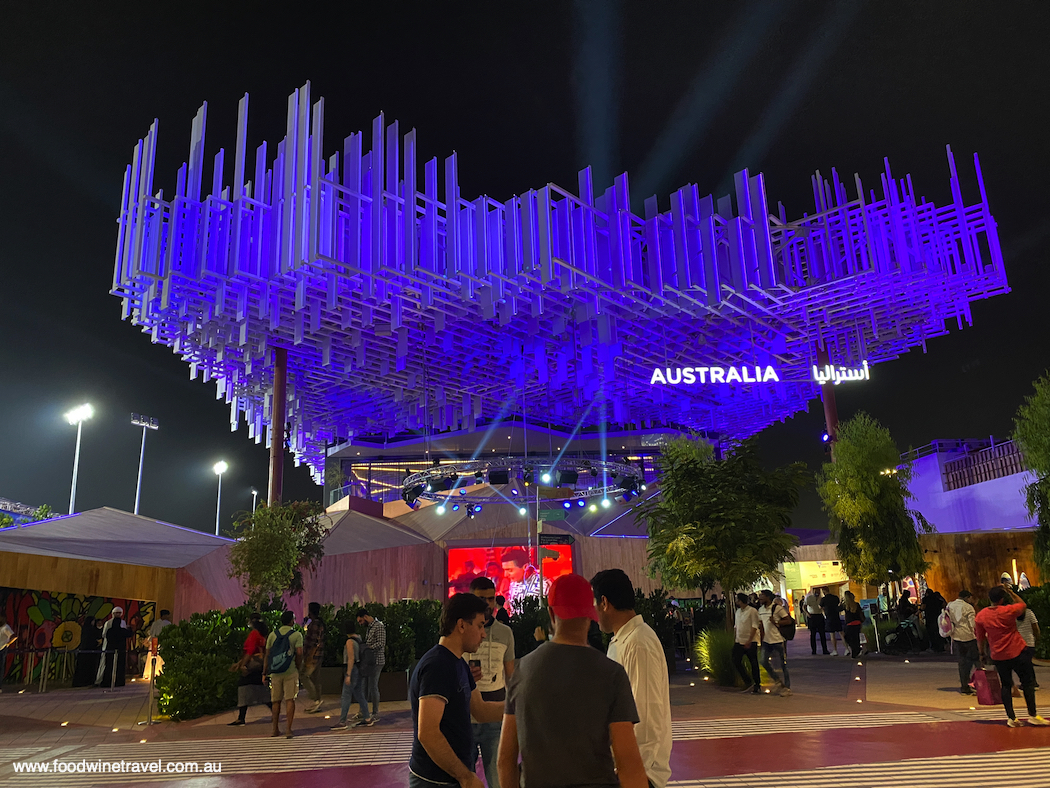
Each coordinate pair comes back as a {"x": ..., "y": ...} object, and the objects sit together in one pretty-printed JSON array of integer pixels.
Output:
[{"x": 384, "y": 302}]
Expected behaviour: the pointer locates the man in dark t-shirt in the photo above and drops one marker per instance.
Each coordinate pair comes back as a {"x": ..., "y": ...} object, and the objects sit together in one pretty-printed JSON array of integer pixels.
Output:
[
  {"x": 444, "y": 696},
  {"x": 570, "y": 709}
]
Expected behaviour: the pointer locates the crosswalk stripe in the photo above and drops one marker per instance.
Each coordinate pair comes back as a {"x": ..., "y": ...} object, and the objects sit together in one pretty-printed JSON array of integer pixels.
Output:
[
  {"x": 686, "y": 730},
  {"x": 986, "y": 770}
]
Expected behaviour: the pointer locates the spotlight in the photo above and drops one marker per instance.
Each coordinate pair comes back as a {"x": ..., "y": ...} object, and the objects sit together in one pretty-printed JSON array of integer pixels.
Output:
[
  {"x": 412, "y": 493},
  {"x": 644, "y": 488},
  {"x": 501, "y": 476},
  {"x": 441, "y": 509},
  {"x": 567, "y": 504},
  {"x": 462, "y": 490},
  {"x": 594, "y": 507},
  {"x": 606, "y": 503},
  {"x": 527, "y": 476},
  {"x": 479, "y": 477},
  {"x": 546, "y": 478},
  {"x": 581, "y": 503},
  {"x": 568, "y": 477},
  {"x": 825, "y": 437},
  {"x": 522, "y": 511},
  {"x": 470, "y": 514},
  {"x": 442, "y": 484},
  {"x": 477, "y": 507},
  {"x": 514, "y": 492},
  {"x": 455, "y": 507}
]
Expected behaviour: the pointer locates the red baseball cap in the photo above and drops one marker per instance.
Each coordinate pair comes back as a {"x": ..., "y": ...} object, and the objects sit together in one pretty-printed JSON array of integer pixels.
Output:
[{"x": 571, "y": 596}]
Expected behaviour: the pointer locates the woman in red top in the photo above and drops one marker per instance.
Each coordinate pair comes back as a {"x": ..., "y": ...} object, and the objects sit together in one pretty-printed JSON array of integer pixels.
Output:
[
  {"x": 996, "y": 630},
  {"x": 250, "y": 689}
]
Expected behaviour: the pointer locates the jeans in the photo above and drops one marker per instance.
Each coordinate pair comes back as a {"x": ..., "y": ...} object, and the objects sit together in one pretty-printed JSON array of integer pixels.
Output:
[
  {"x": 851, "y": 634},
  {"x": 751, "y": 652},
  {"x": 1022, "y": 666},
  {"x": 351, "y": 692},
  {"x": 815, "y": 622},
  {"x": 419, "y": 782},
  {"x": 969, "y": 658},
  {"x": 486, "y": 736},
  {"x": 311, "y": 681},
  {"x": 371, "y": 687},
  {"x": 768, "y": 650}
]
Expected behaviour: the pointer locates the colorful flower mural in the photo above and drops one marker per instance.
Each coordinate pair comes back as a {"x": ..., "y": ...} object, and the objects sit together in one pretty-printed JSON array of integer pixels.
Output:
[{"x": 46, "y": 620}]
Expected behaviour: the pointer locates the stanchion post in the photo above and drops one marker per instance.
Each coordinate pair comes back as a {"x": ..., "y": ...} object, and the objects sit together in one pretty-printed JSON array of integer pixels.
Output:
[{"x": 113, "y": 673}]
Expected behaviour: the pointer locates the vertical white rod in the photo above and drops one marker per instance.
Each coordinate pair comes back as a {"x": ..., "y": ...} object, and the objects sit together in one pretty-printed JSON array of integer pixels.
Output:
[
  {"x": 138, "y": 484},
  {"x": 218, "y": 503},
  {"x": 76, "y": 465}
]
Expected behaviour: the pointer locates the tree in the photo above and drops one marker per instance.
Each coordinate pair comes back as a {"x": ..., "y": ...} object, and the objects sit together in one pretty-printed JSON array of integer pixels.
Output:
[
  {"x": 866, "y": 497},
  {"x": 1032, "y": 436},
  {"x": 721, "y": 520},
  {"x": 277, "y": 544}
]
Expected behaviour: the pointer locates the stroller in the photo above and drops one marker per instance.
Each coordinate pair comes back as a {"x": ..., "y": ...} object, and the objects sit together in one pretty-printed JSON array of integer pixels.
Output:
[{"x": 908, "y": 637}]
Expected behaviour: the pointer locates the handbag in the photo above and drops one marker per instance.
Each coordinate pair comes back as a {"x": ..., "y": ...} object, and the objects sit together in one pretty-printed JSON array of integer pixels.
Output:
[{"x": 986, "y": 684}]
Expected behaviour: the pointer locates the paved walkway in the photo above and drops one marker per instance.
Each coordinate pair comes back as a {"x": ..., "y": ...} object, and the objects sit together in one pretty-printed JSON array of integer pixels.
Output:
[{"x": 850, "y": 722}]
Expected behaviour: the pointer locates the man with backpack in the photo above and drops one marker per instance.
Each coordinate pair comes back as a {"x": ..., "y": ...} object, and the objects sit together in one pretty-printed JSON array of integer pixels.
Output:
[
  {"x": 774, "y": 616},
  {"x": 283, "y": 658},
  {"x": 960, "y": 628}
]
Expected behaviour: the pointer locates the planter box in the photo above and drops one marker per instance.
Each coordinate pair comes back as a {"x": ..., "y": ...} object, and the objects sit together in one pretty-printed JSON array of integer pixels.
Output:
[
  {"x": 332, "y": 679},
  {"x": 393, "y": 686}
]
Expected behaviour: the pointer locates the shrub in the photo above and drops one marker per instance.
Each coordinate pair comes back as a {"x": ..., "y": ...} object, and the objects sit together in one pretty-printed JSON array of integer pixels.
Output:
[
  {"x": 528, "y": 614},
  {"x": 1038, "y": 598},
  {"x": 885, "y": 627},
  {"x": 653, "y": 610},
  {"x": 714, "y": 655},
  {"x": 709, "y": 617}
]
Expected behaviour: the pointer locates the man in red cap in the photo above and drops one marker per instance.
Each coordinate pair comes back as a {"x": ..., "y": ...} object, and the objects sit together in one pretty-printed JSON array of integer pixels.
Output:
[{"x": 570, "y": 710}]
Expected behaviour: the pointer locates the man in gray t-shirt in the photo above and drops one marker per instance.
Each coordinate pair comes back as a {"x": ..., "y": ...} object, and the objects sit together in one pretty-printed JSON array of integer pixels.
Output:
[{"x": 570, "y": 709}]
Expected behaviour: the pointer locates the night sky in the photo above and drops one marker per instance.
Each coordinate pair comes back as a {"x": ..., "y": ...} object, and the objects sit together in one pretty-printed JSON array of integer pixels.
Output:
[{"x": 527, "y": 93}]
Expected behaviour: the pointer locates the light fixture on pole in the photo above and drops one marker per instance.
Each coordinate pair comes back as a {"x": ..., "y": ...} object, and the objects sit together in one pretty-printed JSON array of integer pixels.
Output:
[
  {"x": 255, "y": 497},
  {"x": 220, "y": 468},
  {"x": 77, "y": 416},
  {"x": 146, "y": 423}
]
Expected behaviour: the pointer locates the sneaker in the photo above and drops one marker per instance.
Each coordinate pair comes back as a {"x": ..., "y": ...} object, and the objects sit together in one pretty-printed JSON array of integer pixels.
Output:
[
  {"x": 314, "y": 709},
  {"x": 747, "y": 688},
  {"x": 1014, "y": 724},
  {"x": 366, "y": 723},
  {"x": 785, "y": 691},
  {"x": 1038, "y": 720},
  {"x": 356, "y": 717},
  {"x": 342, "y": 726},
  {"x": 757, "y": 690}
]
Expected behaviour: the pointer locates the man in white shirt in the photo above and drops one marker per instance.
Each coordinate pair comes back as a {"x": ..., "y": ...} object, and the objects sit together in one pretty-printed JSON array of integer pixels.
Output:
[
  {"x": 748, "y": 636},
  {"x": 637, "y": 648},
  {"x": 962, "y": 614},
  {"x": 7, "y": 637},
  {"x": 159, "y": 624},
  {"x": 771, "y": 614}
]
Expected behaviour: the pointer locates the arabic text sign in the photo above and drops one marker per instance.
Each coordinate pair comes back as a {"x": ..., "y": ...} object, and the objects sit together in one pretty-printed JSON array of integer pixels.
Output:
[{"x": 836, "y": 375}]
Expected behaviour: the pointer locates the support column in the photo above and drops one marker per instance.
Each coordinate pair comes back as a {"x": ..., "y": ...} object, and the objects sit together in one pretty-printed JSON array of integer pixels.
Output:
[
  {"x": 827, "y": 396},
  {"x": 279, "y": 418}
]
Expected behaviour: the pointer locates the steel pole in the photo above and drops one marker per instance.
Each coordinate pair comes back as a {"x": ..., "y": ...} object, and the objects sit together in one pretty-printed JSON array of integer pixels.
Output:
[
  {"x": 277, "y": 424},
  {"x": 827, "y": 395},
  {"x": 138, "y": 484},
  {"x": 218, "y": 504},
  {"x": 76, "y": 466}
]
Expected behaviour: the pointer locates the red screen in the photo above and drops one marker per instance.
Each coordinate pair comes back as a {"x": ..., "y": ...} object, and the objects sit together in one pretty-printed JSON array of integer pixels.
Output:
[{"x": 512, "y": 568}]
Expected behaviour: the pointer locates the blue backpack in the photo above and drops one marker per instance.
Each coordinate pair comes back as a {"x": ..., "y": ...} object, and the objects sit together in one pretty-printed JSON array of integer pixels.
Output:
[{"x": 282, "y": 656}]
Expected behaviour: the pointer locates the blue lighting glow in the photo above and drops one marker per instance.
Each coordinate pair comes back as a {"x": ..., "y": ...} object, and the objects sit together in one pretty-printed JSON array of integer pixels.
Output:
[
  {"x": 455, "y": 507},
  {"x": 567, "y": 505},
  {"x": 477, "y": 508},
  {"x": 581, "y": 503},
  {"x": 514, "y": 492},
  {"x": 462, "y": 490}
]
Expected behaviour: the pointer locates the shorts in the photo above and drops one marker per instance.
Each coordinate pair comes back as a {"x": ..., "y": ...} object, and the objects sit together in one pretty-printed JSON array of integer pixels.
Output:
[
  {"x": 284, "y": 686},
  {"x": 832, "y": 624}
]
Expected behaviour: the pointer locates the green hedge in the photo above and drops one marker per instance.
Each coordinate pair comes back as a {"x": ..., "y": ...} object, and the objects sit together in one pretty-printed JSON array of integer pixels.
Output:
[
  {"x": 1038, "y": 598},
  {"x": 714, "y": 655}
]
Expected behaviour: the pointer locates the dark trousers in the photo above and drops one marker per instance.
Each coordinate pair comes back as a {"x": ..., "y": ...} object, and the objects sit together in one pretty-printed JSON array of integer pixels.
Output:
[
  {"x": 969, "y": 658},
  {"x": 815, "y": 622},
  {"x": 751, "y": 652},
  {"x": 1022, "y": 666},
  {"x": 851, "y": 634}
]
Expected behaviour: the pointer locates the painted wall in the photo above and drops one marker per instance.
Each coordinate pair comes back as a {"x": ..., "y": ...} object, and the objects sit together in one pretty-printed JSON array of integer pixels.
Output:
[
  {"x": 994, "y": 504},
  {"x": 976, "y": 560}
]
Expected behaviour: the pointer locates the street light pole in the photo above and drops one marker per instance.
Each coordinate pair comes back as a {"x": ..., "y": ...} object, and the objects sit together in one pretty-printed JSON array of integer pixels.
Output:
[
  {"x": 146, "y": 423},
  {"x": 77, "y": 416},
  {"x": 255, "y": 498},
  {"x": 220, "y": 468}
]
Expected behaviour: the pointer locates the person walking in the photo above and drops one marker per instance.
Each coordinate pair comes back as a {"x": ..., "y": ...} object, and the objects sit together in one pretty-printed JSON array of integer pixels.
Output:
[
  {"x": 251, "y": 691},
  {"x": 373, "y": 657},
  {"x": 352, "y": 685},
  {"x": 831, "y": 605},
  {"x": 748, "y": 636},
  {"x": 7, "y": 638},
  {"x": 313, "y": 653},
  {"x": 281, "y": 663},
  {"x": 964, "y": 640},
  {"x": 444, "y": 696},
  {"x": 853, "y": 616},
  {"x": 771, "y": 614},
  {"x": 492, "y": 666},
  {"x": 570, "y": 711},
  {"x": 997, "y": 637},
  {"x": 815, "y": 621},
  {"x": 637, "y": 647}
]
